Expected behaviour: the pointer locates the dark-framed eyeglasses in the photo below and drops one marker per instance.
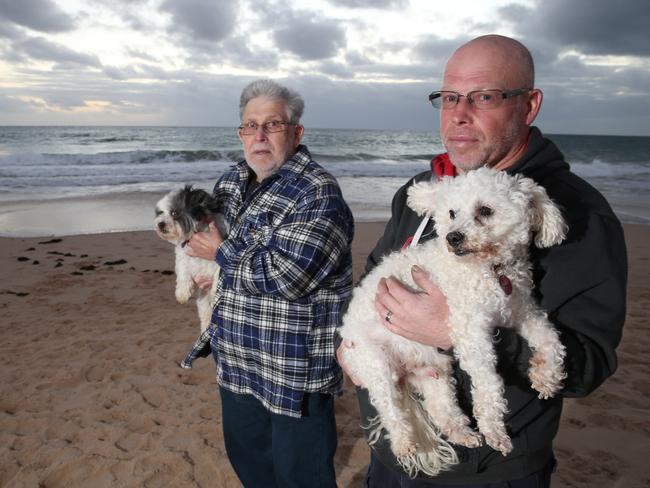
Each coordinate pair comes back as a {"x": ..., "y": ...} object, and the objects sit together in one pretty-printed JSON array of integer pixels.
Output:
[
  {"x": 250, "y": 128},
  {"x": 481, "y": 99}
]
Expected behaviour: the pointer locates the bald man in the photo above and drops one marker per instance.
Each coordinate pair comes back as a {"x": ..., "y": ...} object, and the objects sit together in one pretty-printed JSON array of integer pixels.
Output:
[{"x": 487, "y": 104}]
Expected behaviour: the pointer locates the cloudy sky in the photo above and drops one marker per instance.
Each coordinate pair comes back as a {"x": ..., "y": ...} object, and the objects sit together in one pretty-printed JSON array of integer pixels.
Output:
[{"x": 358, "y": 63}]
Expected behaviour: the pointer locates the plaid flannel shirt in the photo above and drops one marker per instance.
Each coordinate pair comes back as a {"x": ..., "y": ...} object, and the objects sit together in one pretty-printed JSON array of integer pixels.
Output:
[{"x": 286, "y": 271}]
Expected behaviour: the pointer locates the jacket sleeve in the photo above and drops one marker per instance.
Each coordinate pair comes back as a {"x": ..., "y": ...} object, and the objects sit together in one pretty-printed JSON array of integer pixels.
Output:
[
  {"x": 582, "y": 286},
  {"x": 585, "y": 287},
  {"x": 290, "y": 260}
]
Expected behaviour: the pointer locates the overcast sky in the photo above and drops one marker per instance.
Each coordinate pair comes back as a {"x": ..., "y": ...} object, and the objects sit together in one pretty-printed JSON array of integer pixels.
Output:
[{"x": 358, "y": 63}]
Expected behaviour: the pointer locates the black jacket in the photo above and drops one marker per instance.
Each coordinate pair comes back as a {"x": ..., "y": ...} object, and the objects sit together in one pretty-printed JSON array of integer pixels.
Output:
[{"x": 580, "y": 283}]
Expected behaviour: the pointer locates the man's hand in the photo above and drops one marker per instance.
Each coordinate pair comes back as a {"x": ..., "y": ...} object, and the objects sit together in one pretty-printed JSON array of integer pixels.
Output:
[
  {"x": 420, "y": 317},
  {"x": 204, "y": 245},
  {"x": 346, "y": 345},
  {"x": 203, "y": 282}
]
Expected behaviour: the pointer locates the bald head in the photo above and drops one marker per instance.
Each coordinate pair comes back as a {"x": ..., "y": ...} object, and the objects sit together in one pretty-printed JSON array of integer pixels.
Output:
[{"x": 508, "y": 55}]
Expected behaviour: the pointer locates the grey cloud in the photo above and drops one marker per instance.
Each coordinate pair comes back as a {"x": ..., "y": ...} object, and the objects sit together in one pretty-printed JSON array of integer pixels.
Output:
[
  {"x": 348, "y": 104},
  {"x": 355, "y": 58},
  {"x": 435, "y": 51},
  {"x": 40, "y": 48},
  {"x": 9, "y": 31},
  {"x": 201, "y": 20},
  {"x": 598, "y": 27},
  {"x": 336, "y": 69},
  {"x": 10, "y": 104},
  {"x": 136, "y": 53},
  {"x": 237, "y": 51},
  {"x": 378, "y": 4},
  {"x": 40, "y": 15},
  {"x": 310, "y": 39},
  {"x": 187, "y": 98},
  {"x": 119, "y": 74}
]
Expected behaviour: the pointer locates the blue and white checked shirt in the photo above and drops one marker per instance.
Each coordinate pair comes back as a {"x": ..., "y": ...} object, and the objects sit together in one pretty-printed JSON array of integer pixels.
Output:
[{"x": 286, "y": 271}]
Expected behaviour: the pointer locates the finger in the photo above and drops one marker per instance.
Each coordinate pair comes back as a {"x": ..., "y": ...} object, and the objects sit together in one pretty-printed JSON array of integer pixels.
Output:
[
  {"x": 386, "y": 303},
  {"x": 407, "y": 298},
  {"x": 397, "y": 297},
  {"x": 381, "y": 286},
  {"x": 422, "y": 279}
]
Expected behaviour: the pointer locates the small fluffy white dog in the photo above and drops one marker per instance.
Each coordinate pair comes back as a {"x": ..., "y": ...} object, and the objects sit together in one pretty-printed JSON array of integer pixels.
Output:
[
  {"x": 485, "y": 221},
  {"x": 180, "y": 214}
]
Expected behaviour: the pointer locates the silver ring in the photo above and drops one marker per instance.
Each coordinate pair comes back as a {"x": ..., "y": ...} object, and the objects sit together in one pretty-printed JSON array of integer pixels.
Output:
[{"x": 389, "y": 314}]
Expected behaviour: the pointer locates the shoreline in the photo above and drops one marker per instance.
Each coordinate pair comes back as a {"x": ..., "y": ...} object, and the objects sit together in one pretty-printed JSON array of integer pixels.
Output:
[
  {"x": 105, "y": 214},
  {"x": 133, "y": 211},
  {"x": 91, "y": 394}
]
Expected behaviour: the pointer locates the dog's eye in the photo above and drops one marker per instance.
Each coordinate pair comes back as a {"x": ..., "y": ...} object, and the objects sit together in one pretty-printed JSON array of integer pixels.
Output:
[
  {"x": 452, "y": 214},
  {"x": 485, "y": 211},
  {"x": 158, "y": 212},
  {"x": 174, "y": 213}
]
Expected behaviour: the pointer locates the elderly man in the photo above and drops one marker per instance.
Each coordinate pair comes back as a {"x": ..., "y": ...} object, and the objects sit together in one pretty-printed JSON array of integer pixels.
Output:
[
  {"x": 285, "y": 274},
  {"x": 487, "y": 105}
]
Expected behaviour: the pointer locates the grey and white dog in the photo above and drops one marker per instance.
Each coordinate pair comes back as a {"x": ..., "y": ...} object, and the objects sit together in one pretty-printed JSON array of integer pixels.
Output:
[{"x": 179, "y": 215}]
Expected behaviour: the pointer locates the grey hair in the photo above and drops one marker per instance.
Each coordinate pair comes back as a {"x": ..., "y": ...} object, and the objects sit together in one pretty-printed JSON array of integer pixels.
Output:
[{"x": 270, "y": 89}]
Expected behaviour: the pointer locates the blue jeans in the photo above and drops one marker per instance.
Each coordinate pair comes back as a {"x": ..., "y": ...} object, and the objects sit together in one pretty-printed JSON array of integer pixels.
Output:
[
  {"x": 276, "y": 451},
  {"x": 379, "y": 476}
]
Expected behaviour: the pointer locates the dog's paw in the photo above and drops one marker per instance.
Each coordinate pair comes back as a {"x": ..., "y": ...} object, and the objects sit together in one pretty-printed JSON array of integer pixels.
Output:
[
  {"x": 465, "y": 436},
  {"x": 402, "y": 443},
  {"x": 183, "y": 295},
  {"x": 545, "y": 377},
  {"x": 405, "y": 449},
  {"x": 499, "y": 442}
]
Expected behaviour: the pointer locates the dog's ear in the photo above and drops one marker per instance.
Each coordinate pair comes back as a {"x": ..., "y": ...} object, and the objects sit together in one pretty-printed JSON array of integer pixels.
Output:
[
  {"x": 202, "y": 204},
  {"x": 422, "y": 197},
  {"x": 547, "y": 221}
]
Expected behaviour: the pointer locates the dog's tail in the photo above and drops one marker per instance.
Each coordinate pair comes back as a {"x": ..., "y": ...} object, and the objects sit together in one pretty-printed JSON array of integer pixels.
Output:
[{"x": 434, "y": 453}]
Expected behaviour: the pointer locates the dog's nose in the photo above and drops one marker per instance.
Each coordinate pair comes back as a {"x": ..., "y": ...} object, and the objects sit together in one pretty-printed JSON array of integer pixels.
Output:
[
  {"x": 455, "y": 238},
  {"x": 161, "y": 226}
]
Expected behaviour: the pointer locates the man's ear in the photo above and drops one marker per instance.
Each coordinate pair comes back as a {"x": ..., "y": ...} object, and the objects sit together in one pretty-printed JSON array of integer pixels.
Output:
[
  {"x": 534, "y": 104},
  {"x": 300, "y": 130}
]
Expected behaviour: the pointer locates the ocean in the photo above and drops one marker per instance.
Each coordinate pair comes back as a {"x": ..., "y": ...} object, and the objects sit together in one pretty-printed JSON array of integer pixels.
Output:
[{"x": 70, "y": 180}]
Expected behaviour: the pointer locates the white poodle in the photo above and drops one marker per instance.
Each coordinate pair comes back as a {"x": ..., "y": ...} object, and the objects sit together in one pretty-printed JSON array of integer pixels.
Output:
[
  {"x": 485, "y": 221},
  {"x": 179, "y": 215}
]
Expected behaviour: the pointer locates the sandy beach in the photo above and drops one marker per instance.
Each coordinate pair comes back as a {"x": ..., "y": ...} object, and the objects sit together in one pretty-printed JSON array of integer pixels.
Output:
[{"x": 91, "y": 394}]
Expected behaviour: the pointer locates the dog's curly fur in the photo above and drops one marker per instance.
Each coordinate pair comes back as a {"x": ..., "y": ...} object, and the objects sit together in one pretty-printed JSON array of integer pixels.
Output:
[
  {"x": 179, "y": 215},
  {"x": 485, "y": 221}
]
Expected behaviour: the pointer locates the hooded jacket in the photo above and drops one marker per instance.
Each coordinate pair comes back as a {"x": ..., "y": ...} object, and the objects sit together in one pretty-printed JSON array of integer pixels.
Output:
[{"x": 580, "y": 283}]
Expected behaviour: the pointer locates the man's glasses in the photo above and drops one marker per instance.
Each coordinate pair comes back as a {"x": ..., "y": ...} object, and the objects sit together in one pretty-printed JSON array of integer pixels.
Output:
[
  {"x": 250, "y": 128},
  {"x": 481, "y": 99}
]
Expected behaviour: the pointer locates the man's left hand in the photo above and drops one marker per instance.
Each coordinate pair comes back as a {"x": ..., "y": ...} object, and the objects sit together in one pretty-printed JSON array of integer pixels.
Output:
[
  {"x": 205, "y": 245},
  {"x": 417, "y": 316}
]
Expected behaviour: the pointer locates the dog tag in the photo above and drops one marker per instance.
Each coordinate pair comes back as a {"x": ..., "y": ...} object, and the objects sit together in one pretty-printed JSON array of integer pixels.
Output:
[{"x": 506, "y": 284}]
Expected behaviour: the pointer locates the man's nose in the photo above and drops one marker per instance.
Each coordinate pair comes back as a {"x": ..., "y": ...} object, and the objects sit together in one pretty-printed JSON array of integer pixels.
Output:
[
  {"x": 462, "y": 111},
  {"x": 260, "y": 135}
]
